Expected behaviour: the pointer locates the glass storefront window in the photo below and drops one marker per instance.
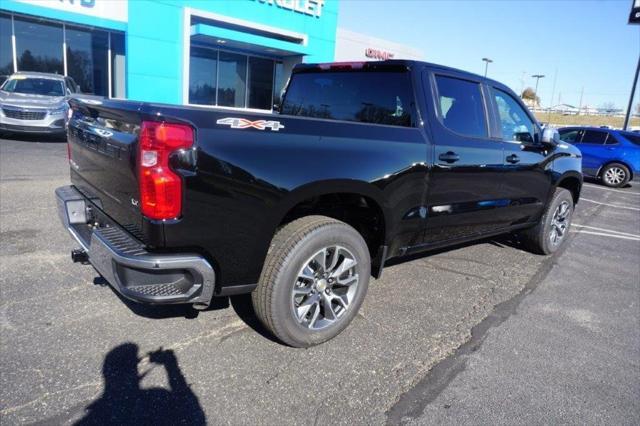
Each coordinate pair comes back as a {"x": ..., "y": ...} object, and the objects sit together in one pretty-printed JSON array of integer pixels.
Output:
[
  {"x": 202, "y": 76},
  {"x": 260, "y": 83},
  {"x": 38, "y": 45},
  {"x": 223, "y": 78},
  {"x": 232, "y": 80},
  {"x": 117, "y": 65},
  {"x": 87, "y": 59},
  {"x": 6, "y": 50}
]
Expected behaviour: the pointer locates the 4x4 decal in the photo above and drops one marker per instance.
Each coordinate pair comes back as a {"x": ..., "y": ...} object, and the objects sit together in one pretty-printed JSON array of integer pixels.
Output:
[{"x": 243, "y": 123}]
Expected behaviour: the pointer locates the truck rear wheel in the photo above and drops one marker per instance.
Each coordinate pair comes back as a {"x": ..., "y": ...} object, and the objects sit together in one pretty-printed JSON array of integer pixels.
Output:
[
  {"x": 553, "y": 229},
  {"x": 313, "y": 281}
]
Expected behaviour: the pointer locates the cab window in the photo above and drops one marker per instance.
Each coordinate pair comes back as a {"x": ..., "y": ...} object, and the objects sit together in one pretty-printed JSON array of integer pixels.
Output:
[
  {"x": 379, "y": 97},
  {"x": 514, "y": 121},
  {"x": 461, "y": 107}
]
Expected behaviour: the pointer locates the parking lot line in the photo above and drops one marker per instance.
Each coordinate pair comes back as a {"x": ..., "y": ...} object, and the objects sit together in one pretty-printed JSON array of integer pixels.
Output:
[
  {"x": 606, "y": 230},
  {"x": 604, "y": 188},
  {"x": 604, "y": 234},
  {"x": 610, "y": 205}
]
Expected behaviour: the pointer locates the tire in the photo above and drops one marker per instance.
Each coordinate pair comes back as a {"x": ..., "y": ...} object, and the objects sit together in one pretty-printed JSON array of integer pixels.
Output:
[
  {"x": 615, "y": 175},
  {"x": 293, "y": 262},
  {"x": 556, "y": 221}
]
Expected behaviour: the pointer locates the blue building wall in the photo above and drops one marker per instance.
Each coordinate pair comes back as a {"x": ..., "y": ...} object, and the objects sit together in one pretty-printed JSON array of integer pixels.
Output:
[{"x": 155, "y": 35}]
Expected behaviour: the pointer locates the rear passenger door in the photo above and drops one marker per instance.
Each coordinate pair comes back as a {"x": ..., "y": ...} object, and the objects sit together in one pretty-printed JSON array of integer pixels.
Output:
[{"x": 464, "y": 182}]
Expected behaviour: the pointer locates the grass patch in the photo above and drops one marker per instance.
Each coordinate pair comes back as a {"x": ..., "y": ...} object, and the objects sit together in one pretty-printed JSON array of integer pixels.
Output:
[{"x": 560, "y": 120}]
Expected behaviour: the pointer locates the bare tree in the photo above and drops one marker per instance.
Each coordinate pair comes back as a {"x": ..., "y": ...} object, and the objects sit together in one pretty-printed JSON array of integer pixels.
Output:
[{"x": 529, "y": 94}]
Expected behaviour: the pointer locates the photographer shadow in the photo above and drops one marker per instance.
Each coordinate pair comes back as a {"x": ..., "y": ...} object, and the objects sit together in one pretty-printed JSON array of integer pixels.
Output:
[{"x": 125, "y": 402}]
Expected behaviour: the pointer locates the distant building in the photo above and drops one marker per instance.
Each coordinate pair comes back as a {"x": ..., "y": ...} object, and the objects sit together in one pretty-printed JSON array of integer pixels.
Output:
[
  {"x": 353, "y": 46},
  {"x": 565, "y": 109}
]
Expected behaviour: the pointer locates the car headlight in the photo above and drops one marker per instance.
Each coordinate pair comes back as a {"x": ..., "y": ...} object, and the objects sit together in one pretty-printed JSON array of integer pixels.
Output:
[{"x": 58, "y": 111}]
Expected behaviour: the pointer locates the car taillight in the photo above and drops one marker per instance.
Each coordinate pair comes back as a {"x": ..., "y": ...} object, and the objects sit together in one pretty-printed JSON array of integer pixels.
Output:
[{"x": 161, "y": 187}]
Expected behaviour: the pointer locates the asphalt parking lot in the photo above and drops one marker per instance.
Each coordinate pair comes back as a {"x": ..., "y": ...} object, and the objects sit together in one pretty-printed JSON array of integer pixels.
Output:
[{"x": 485, "y": 333}]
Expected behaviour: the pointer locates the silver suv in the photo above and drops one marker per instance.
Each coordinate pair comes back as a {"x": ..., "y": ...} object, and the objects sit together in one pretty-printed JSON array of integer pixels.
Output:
[{"x": 33, "y": 102}]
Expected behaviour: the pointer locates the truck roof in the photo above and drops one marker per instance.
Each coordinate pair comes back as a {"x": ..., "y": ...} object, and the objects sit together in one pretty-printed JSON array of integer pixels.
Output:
[{"x": 390, "y": 63}]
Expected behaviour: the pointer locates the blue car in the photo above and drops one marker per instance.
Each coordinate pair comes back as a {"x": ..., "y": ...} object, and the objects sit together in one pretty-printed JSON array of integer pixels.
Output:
[{"x": 613, "y": 156}]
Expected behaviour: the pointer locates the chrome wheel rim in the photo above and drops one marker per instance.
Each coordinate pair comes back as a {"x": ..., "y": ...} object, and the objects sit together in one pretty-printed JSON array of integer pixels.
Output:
[
  {"x": 560, "y": 223},
  {"x": 325, "y": 288},
  {"x": 614, "y": 175}
]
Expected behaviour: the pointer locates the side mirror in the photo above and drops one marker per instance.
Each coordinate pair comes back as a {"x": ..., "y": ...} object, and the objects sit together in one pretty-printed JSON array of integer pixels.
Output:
[{"x": 550, "y": 137}]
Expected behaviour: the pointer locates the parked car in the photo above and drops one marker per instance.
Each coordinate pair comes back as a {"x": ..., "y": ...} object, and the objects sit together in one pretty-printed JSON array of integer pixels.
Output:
[
  {"x": 32, "y": 102},
  {"x": 613, "y": 156},
  {"x": 364, "y": 162}
]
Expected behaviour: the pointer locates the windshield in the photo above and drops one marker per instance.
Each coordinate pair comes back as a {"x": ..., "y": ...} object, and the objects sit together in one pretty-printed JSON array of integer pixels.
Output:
[{"x": 34, "y": 86}]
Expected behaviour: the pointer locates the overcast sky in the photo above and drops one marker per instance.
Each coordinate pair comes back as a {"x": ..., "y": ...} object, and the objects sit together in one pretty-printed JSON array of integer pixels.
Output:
[{"x": 588, "y": 44}]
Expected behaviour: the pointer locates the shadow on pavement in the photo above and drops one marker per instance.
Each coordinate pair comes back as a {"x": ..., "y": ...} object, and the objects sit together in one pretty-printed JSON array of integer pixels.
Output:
[
  {"x": 240, "y": 304},
  {"x": 598, "y": 182},
  {"x": 35, "y": 137},
  {"x": 502, "y": 241},
  {"x": 125, "y": 402}
]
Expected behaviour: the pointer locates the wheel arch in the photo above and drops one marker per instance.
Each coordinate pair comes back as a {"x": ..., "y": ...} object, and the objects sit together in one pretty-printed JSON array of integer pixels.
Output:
[
  {"x": 357, "y": 203},
  {"x": 571, "y": 181}
]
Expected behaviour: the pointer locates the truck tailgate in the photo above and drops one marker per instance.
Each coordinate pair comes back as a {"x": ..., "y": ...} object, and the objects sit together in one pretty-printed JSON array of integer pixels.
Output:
[{"x": 103, "y": 137}]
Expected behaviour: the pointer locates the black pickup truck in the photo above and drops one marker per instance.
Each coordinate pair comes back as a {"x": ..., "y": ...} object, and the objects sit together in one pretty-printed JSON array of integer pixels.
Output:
[{"x": 361, "y": 163}]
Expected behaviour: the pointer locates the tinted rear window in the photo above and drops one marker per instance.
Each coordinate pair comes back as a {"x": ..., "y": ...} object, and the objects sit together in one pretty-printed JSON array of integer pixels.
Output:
[
  {"x": 594, "y": 137},
  {"x": 367, "y": 97},
  {"x": 633, "y": 138}
]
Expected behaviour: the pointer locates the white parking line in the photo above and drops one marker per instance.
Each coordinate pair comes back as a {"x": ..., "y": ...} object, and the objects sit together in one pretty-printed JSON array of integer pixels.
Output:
[
  {"x": 619, "y": 206},
  {"x": 604, "y": 234},
  {"x": 605, "y": 230},
  {"x": 604, "y": 188}
]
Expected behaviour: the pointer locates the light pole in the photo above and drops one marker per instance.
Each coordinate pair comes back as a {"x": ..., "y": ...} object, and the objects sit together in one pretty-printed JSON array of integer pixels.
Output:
[
  {"x": 537, "y": 77},
  {"x": 486, "y": 65}
]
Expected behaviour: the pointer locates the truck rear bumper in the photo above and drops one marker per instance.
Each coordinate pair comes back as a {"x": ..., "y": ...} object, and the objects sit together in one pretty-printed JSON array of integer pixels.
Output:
[{"x": 129, "y": 268}]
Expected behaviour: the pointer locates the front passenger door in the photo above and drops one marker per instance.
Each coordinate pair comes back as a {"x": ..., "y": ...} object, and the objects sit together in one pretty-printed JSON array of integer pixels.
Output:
[{"x": 528, "y": 172}]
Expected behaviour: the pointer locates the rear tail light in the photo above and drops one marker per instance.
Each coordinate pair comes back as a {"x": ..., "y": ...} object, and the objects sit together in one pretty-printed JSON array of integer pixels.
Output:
[{"x": 161, "y": 187}]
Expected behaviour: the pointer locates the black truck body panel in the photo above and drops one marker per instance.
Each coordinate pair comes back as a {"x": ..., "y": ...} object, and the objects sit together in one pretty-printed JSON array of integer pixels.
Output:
[{"x": 240, "y": 184}]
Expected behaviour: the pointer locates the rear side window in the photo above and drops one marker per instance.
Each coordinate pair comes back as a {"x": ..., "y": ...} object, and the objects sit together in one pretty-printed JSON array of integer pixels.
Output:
[
  {"x": 366, "y": 97},
  {"x": 611, "y": 140},
  {"x": 461, "y": 107},
  {"x": 594, "y": 137},
  {"x": 570, "y": 136}
]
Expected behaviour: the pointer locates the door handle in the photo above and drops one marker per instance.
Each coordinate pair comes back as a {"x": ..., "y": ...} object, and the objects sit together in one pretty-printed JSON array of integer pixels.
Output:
[
  {"x": 449, "y": 157},
  {"x": 513, "y": 159}
]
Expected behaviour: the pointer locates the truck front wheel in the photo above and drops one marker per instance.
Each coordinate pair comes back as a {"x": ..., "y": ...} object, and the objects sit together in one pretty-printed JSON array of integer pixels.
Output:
[
  {"x": 313, "y": 281},
  {"x": 553, "y": 229}
]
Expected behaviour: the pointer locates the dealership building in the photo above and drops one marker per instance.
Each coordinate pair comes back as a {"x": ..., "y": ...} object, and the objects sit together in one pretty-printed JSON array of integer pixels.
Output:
[{"x": 228, "y": 53}]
